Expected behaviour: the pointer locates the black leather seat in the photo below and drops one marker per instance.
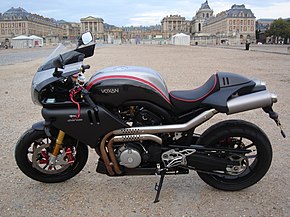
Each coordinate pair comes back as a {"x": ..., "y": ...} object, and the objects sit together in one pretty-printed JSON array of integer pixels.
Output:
[{"x": 186, "y": 100}]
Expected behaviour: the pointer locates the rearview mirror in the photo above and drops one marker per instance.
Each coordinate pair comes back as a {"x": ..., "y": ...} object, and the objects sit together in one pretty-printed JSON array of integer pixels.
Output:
[
  {"x": 58, "y": 62},
  {"x": 87, "y": 38}
]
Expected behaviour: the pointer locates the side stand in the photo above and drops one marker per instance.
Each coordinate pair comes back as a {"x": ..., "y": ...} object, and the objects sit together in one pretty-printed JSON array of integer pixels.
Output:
[{"x": 159, "y": 186}]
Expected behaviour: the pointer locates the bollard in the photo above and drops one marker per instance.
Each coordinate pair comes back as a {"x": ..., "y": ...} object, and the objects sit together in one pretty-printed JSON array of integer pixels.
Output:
[{"x": 247, "y": 46}]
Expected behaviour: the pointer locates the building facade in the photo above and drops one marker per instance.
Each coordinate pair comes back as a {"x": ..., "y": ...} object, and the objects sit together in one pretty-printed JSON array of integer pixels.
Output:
[
  {"x": 71, "y": 30},
  {"x": 200, "y": 19},
  {"x": 237, "y": 22},
  {"x": 94, "y": 25},
  {"x": 173, "y": 24},
  {"x": 17, "y": 21},
  {"x": 234, "y": 26}
]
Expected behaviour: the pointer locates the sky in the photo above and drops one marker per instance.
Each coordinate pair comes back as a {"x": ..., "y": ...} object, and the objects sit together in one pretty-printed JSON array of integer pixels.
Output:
[{"x": 138, "y": 12}]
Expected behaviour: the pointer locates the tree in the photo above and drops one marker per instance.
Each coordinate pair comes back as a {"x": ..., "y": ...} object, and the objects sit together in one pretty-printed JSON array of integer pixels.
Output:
[{"x": 279, "y": 29}]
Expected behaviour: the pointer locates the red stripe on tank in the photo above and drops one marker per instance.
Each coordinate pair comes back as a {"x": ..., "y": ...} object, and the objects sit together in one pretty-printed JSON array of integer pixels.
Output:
[{"x": 130, "y": 78}]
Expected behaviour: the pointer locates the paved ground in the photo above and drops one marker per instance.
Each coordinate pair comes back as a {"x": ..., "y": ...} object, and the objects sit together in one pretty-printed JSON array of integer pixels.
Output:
[
  {"x": 92, "y": 194},
  {"x": 13, "y": 56},
  {"x": 267, "y": 48}
]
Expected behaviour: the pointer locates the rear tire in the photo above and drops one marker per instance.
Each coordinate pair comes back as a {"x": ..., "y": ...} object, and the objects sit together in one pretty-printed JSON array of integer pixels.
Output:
[
  {"x": 241, "y": 135},
  {"x": 35, "y": 165}
]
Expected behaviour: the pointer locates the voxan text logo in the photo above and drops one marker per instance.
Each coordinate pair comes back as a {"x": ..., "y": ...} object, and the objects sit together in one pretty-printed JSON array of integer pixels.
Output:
[{"x": 110, "y": 91}]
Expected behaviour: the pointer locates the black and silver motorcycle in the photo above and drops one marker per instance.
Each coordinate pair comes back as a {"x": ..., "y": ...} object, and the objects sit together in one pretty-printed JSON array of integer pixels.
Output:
[{"x": 137, "y": 128}]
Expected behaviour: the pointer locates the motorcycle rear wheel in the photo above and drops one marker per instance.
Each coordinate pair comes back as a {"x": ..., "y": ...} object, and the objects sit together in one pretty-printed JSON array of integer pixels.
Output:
[
  {"x": 241, "y": 135},
  {"x": 32, "y": 157}
]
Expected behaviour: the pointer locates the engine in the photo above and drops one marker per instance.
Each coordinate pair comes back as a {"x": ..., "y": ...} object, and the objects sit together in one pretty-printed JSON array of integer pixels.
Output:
[
  {"x": 135, "y": 154},
  {"x": 132, "y": 155},
  {"x": 129, "y": 157},
  {"x": 138, "y": 116}
]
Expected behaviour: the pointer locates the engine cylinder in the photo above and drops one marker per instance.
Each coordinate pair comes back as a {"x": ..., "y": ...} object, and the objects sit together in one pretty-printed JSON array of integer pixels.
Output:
[{"x": 129, "y": 157}]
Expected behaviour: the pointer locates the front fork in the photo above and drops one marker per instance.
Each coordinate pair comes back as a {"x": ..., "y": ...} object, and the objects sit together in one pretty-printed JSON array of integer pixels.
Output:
[{"x": 55, "y": 151}]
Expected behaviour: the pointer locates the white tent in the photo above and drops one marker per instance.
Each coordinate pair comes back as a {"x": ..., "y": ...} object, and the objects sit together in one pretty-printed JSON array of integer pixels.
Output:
[
  {"x": 37, "y": 41},
  {"x": 181, "y": 39},
  {"x": 22, "y": 41}
]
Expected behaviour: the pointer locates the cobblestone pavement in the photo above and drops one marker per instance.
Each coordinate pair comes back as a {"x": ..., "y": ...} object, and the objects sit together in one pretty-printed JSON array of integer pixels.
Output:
[{"x": 11, "y": 57}]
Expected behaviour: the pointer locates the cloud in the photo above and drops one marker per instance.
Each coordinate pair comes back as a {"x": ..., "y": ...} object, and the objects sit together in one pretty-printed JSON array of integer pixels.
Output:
[
  {"x": 145, "y": 19},
  {"x": 275, "y": 10},
  {"x": 149, "y": 12}
]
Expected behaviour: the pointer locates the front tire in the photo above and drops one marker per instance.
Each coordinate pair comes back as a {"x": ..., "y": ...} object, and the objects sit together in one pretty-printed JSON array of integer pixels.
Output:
[
  {"x": 243, "y": 135},
  {"x": 32, "y": 156}
]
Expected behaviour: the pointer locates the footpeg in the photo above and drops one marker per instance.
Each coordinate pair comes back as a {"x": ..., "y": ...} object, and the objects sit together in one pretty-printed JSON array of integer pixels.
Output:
[{"x": 174, "y": 158}]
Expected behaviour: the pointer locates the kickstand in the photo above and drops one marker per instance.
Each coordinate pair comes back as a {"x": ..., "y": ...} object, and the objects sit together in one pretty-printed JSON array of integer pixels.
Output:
[{"x": 159, "y": 186}]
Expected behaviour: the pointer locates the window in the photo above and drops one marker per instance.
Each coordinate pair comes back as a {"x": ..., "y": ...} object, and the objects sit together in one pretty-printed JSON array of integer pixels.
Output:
[
  {"x": 234, "y": 22},
  {"x": 245, "y": 28},
  {"x": 241, "y": 22},
  {"x": 249, "y": 22},
  {"x": 230, "y": 28},
  {"x": 230, "y": 22},
  {"x": 252, "y": 22}
]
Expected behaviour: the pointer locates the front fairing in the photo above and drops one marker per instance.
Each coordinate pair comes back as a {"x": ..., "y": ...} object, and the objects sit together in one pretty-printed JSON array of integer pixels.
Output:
[
  {"x": 45, "y": 77},
  {"x": 72, "y": 61}
]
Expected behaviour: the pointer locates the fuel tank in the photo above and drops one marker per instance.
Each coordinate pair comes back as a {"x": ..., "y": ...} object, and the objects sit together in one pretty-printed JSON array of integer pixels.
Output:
[{"x": 117, "y": 85}]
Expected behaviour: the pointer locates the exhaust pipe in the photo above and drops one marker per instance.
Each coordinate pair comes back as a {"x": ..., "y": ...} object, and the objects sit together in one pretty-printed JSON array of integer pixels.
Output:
[
  {"x": 198, "y": 120},
  {"x": 251, "y": 101}
]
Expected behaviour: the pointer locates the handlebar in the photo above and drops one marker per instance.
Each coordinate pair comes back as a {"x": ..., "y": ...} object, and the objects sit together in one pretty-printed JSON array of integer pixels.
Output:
[{"x": 85, "y": 67}]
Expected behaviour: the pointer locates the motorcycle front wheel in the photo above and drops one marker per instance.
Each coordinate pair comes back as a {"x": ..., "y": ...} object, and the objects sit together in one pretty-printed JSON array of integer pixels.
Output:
[
  {"x": 240, "y": 135},
  {"x": 32, "y": 155}
]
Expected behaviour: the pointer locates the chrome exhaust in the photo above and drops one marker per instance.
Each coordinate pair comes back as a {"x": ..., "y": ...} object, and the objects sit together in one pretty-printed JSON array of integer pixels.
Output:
[
  {"x": 251, "y": 101},
  {"x": 168, "y": 128}
]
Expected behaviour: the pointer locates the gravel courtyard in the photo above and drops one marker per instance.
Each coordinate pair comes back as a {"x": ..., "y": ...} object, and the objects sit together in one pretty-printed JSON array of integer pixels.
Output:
[{"x": 93, "y": 194}]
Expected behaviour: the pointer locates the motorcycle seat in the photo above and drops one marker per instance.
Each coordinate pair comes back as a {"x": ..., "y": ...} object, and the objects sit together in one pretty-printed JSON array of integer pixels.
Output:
[{"x": 185, "y": 100}]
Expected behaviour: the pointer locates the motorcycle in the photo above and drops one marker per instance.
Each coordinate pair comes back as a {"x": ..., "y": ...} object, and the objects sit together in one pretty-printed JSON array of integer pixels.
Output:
[{"x": 136, "y": 127}]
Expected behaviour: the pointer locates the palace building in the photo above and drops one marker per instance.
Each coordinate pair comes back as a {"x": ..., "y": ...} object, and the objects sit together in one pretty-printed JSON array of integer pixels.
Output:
[
  {"x": 94, "y": 25},
  {"x": 235, "y": 22},
  {"x": 17, "y": 21},
  {"x": 173, "y": 24},
  {"x": 235, "y": 26}
]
